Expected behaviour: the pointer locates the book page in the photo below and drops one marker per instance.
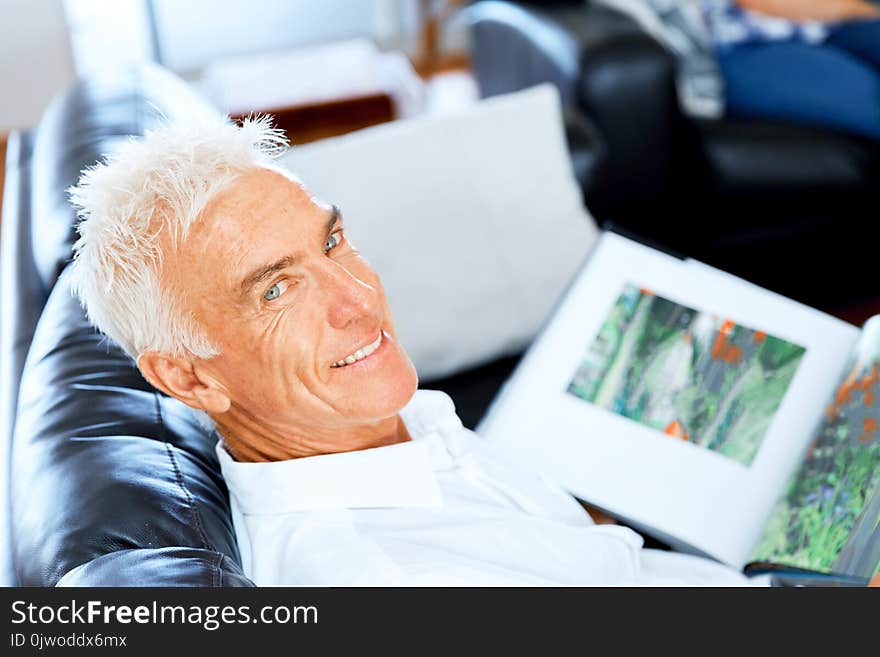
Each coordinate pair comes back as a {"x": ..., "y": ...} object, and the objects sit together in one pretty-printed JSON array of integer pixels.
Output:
[
  {"x": 828, "y": 519},
  {"x": 671, "y": 394}
]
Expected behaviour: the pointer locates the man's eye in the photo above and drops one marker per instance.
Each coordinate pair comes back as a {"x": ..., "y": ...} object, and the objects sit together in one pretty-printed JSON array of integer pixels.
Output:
[
  {"x": 333, "y": 241},
  {"x": 275, "y": 291}
]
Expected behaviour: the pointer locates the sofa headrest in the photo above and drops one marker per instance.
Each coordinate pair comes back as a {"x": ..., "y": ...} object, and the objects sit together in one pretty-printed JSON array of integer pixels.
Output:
[
  {"x": 102, "y": 462},
  {"x": 80, "y": 126}
]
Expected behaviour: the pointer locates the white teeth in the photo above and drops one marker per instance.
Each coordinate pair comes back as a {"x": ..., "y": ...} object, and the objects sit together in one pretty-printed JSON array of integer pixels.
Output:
[{"x": 360, "y": 354}]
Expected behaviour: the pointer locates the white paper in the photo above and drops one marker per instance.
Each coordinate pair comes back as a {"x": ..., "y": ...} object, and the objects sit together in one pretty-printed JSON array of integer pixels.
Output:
[{"x": 704, "y": 499}]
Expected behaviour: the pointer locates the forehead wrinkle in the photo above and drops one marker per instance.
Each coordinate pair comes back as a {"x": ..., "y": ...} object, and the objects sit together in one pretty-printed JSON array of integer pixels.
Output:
[
  {"x": 256, "y": 198},
  {"x": 265, "y": 271}
]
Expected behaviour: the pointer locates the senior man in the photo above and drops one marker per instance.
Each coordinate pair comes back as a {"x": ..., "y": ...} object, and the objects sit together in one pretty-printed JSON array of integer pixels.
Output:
[{"x": 237, "y": 292}]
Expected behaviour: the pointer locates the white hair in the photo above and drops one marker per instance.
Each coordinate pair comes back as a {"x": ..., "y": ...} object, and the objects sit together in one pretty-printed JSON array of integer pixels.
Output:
[{"x": 158, "y": 183}]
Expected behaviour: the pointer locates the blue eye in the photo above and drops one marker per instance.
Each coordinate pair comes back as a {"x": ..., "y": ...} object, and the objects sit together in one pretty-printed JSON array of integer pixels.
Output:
[
  {"x": 274, "y": 291},
  {"x": 333, "y": 241}
]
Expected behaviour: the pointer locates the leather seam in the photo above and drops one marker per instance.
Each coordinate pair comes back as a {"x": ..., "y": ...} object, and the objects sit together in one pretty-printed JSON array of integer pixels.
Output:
[
  {"x": 194, "y": 513},
  {"x": 218, "y": 570}
]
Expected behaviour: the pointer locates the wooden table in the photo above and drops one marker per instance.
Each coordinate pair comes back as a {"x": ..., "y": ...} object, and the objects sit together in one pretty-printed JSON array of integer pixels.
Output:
[{"x": 310, "y": 122}]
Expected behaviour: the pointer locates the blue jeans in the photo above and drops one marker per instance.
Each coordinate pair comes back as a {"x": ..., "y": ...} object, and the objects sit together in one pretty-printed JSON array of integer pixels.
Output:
[{"x": 835, "y": 84}]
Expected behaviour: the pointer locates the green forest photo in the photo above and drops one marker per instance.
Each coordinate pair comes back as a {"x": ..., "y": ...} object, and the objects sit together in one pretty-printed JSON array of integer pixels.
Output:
[
  {"x": 691, "y": 375},
  {"x": 829, "y": 518}
]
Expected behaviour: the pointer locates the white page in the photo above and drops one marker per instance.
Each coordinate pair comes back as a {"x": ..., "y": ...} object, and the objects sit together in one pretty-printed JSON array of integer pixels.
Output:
[{"x": 701, "y": 497}]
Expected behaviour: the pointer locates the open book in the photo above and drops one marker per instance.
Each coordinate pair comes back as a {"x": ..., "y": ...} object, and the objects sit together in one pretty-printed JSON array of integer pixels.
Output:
[{"x": 701, "y": 409}]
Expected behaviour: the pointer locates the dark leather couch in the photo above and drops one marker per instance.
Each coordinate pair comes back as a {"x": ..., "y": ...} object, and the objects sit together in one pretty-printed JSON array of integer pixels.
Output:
[
  {"x": 790, "y": 207},
  {"x": 110, "y": 483},
  {"x": 105, "y": 481}
]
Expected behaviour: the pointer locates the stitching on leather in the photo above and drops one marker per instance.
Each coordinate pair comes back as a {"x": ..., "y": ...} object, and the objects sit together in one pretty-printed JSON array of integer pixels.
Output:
[
  {"x": 218, "y": 570},
  {"x": 194, "y": 512}
]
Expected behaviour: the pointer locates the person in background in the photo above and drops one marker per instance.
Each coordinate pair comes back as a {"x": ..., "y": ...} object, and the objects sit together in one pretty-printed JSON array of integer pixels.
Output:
[{"x": 808, "y": 61}]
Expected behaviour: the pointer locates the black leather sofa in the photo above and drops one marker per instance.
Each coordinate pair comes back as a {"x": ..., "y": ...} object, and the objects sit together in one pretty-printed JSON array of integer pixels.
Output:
[
  {"x": 789, "y": 207},
  {"x": 105, "y": 481}
]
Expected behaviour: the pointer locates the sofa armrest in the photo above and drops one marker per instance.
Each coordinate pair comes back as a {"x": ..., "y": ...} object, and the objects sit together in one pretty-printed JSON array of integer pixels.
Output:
[
  {"x": 515, "y": 48},
  {"x": 158, "y": 567},
  {"x": 627, "y": 88},
  {"x": 518, "y": 45},
  {"x": 22, "y": 296}
]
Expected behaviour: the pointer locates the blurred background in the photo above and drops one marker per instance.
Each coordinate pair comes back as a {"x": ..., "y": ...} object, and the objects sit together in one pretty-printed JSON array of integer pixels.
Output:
[{"x": 275, "y": 55}]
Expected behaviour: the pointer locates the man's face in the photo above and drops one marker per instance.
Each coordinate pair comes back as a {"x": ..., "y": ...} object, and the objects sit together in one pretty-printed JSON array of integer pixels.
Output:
[{"x": 285, "y": 297}]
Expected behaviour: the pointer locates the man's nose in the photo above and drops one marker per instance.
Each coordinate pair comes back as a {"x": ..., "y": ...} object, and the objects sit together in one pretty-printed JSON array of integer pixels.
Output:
[{"x": 349, "y": 298}]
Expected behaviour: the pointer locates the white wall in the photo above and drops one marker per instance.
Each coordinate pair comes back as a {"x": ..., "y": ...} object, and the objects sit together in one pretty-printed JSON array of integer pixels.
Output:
[
  {"x": 193, "y": 33},
  {"x": 35, "y": 59}
]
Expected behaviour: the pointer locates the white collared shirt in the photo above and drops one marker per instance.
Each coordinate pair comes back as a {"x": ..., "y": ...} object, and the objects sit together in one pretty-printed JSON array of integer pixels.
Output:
[{"x": 440, "y": 509}]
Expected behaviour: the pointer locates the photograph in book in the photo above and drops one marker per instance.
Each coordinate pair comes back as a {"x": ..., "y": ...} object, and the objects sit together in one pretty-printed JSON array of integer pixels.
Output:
[
  {"x": 691, "y": 375},
  {"x": 828, "y": 520}
]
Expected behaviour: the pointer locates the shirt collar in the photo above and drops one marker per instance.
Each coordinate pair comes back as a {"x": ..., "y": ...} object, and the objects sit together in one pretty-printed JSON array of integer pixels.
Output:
[{"x": 400, "y": 475}]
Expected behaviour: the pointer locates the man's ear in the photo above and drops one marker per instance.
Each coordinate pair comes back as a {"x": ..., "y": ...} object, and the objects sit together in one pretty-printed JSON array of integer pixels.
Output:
[{"x": 176, "y": 377}]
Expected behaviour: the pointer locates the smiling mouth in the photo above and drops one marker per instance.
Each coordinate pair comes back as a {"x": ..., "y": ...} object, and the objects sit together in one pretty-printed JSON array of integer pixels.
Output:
[{"x": 360, "y": 354}]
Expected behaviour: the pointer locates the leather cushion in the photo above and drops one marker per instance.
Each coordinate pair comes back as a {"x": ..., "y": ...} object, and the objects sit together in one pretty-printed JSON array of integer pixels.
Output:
[
  {"x": 101, "y": 461},
  {"x": 159, "y": 567},
  {"x": 749, "y": 158}
]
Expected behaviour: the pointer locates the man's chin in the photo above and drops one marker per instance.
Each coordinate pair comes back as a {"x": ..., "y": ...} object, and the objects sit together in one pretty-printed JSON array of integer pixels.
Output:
[
  {"x": 391, "y": 395},
  {"x": 390, "y": 398}
]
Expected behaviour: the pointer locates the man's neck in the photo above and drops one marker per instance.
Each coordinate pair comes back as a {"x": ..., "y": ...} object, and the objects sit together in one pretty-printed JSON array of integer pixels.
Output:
[{"x": 247, "y": 440}]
